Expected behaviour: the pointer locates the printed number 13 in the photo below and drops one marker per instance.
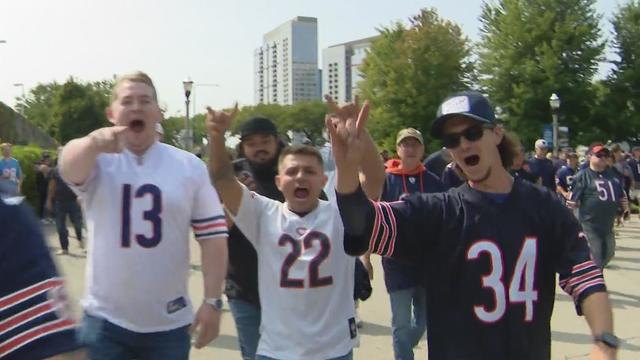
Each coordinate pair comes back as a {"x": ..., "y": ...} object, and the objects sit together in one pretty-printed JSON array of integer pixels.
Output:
[{"x": 152, "y": 215}]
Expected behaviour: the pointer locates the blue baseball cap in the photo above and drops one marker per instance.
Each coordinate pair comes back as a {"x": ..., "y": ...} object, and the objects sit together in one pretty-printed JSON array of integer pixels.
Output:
[{"x": 471, "y": 104}]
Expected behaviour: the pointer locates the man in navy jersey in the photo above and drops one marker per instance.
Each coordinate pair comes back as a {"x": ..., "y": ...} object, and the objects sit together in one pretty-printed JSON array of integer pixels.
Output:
[
  {"x": 541, "y": 167},
  {"x": 564, "y": 176},
  {"x": 35, "y": 321},
  {"x": 490, "y": 249},
  {"x": 406, "y": 176}
]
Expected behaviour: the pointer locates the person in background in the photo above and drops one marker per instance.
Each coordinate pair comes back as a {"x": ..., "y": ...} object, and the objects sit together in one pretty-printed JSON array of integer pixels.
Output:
[
  {"x": 541, "y": 167},
  {"x": 10, "y": 171}
]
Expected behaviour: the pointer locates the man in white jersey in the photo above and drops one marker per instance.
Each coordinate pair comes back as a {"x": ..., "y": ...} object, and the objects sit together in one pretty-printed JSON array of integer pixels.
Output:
[
  {"x": 141, "y": 197},
  {"x": 305, "y": 277}
]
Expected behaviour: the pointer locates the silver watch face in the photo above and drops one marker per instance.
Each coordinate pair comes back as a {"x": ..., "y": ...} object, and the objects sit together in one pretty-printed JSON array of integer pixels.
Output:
[{"x": 216, "y": 303}]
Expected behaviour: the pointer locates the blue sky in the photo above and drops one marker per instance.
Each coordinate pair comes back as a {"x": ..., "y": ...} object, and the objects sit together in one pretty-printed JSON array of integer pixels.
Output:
[{"x": 210, "y": 40}]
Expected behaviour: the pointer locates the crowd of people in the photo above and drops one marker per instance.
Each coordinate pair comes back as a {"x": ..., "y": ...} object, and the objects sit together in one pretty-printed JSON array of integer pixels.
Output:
[{"x": 472, "y": 237}]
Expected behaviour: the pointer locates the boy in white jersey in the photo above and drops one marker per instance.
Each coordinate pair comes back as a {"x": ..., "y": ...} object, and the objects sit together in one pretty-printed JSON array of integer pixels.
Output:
[
  {"x": 305, "y": 277},
  {"x": 141, "y": 198}
]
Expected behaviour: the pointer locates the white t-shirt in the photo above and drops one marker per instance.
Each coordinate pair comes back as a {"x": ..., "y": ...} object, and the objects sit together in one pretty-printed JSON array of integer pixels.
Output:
[
  {"x": 139, "y": 212},
  {"x": 305, "y": 279}
]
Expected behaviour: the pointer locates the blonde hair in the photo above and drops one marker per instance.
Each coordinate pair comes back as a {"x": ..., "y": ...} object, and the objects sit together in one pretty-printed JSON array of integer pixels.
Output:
[{"x": 137, "y": 77}]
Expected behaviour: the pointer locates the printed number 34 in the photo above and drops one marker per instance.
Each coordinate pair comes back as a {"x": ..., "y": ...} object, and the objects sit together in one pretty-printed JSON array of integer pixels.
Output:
[{"x": 524, "y": 270}]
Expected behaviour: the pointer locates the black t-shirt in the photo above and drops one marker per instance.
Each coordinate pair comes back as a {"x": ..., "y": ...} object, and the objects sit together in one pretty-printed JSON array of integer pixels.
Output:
[
  {"x": 63, "y": 192},
  {"x": 543, "y": 168},
  {"x": 490, "y": 266},
  {"x": 524, "y": 175}
]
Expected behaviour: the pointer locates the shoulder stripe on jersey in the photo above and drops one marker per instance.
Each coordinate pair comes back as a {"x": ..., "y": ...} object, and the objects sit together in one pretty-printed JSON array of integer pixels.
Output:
[
  {"x": 26, "y": 316},
  {"x": 29, "y": 292},
  {"x": 35, "y": 333},
  {"x": 198, "y": 221},
  {"x": 582, "y": 277},
  {"x": 212, "y": 234},
  {"x": 392, "y": 225},
  {"x": 382, "y": 242},
  {"x": 376, "y": 226}
]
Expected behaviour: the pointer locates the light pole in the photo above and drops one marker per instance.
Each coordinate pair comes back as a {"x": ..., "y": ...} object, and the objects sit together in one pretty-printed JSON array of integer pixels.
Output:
[
  {"x": 21, "y": 85},
  {"x": 554, "y": 103},
  {"x": 188, "y": 86}
]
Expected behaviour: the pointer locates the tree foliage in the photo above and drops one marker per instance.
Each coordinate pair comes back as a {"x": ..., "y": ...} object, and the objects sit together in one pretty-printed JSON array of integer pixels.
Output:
[
  {"x": 409, "y": 70},
  {"x": 532, "y": 48},
  {"x": 619, "y": 106}
]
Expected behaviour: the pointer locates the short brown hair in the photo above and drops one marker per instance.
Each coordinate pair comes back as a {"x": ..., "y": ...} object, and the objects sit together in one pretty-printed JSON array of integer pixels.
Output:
[
  {"x": 301, "y": 150},
  {"x": 509, "y": 148},
  {"x": 138, "y": 77}
]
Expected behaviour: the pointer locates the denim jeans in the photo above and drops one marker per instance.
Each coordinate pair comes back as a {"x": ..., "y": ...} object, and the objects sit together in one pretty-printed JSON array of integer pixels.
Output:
[
  {"x": 408, "y": 320},
  {"x": 107, "y": 341},
  {"x": 348, "y": 356},
  {"x": 247, "y": 319},
  {"x": 71, "y": 208}
]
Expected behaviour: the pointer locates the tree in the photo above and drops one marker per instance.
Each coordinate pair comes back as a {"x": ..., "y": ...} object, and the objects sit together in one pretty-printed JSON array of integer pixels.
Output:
[
  {"x": 532, "y": 48},
  {"x": 621, "y": 104},
  {"x": 410, "y": 70},
  {"x": 78, "y": 110},
  {"x": 40, "y": 102}
]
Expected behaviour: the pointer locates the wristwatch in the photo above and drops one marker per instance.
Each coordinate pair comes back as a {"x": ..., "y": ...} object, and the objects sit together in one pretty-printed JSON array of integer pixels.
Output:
[
  {"x": 608, "y": 339},
  {"x": 217, "y": 303}
]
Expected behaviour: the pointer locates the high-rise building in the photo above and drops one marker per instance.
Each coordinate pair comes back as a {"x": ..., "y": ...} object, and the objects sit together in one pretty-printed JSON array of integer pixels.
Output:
[
  {"x": 340, "y": 74},
  {"x": 286, "y": 65}
]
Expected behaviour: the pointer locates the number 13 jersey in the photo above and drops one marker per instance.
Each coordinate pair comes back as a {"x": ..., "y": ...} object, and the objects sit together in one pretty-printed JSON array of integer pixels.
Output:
[
  {"x": 305, "y": 279},
  {"x": 140, "y": 211}
]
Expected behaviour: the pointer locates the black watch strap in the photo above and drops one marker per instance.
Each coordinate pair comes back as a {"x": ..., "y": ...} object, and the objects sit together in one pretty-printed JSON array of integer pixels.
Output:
[{"x": 608, "y": 339}]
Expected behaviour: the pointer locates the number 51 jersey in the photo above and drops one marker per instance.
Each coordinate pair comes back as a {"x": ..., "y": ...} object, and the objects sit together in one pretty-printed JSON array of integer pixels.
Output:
[
  {"x": 305, "y": 278},
  {"x": 139, "y": 214}
]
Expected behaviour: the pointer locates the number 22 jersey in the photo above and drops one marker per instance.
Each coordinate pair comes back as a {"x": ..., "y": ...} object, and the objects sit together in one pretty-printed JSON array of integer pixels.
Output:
[{"x": 305, "y": 279}]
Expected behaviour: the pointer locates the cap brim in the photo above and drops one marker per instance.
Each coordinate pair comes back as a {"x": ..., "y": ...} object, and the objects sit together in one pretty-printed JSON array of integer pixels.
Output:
[{"x": 438, "y": 124}]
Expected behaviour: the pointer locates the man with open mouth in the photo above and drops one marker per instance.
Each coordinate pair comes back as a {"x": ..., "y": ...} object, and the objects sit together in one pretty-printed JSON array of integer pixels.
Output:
[
  {"x": 142, "y": 198},
  {"x": 490, "y": 249}
]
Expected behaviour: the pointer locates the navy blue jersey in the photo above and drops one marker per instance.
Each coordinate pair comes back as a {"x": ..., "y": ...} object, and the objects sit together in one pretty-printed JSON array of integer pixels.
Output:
[
  {"x": 450, "y": 178},
  {"x": 635, "y": 168},
  {"x": 543, "y": 169},
  {"x": 564, "y": 177},
  {"x": 34, "y": 316},
  {"x": 398, "y": 275},
  {"x": 490, "y": 267}
]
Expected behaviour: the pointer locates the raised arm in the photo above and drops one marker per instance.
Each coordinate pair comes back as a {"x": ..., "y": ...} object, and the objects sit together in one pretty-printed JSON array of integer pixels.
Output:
[
  {"x": 79, "y": 155},
  {"x": 220, "y": 167}
]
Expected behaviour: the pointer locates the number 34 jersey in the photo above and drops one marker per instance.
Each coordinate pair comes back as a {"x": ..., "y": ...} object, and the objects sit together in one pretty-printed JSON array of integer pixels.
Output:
[
  {"x": 305, "y": 279},
  {"x": 490, "y": 266},
  {"x": 140, "y": 211}
]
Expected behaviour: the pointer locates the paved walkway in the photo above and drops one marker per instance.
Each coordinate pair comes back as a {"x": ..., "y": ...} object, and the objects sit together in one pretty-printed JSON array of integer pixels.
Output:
[{"x": 571, "y": 339}]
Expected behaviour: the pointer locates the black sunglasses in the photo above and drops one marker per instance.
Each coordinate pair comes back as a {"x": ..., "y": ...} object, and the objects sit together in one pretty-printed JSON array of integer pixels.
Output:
[
  {"x": 472, "y": 133},
  {"x": 602, "y": 154}
]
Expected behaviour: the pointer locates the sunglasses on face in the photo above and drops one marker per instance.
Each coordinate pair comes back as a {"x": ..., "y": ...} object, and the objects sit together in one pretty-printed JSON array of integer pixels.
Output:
[
  {"x": 472, "y": 133},
  {"x": 602, "y": 154}
]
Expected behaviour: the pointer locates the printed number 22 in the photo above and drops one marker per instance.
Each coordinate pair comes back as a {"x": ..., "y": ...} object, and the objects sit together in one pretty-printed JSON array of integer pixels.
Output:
[
  {"x": 152, "y": 215},
  {"x": 525, "y": 267},
  {"x": 315, "y": 280}
]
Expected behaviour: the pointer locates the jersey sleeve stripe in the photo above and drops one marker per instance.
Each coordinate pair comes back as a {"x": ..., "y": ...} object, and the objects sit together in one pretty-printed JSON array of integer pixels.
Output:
[
  {"x": 584, "y": 286},
  {"x": 384, "y": 237},
  {"x": 26, "y": 316},
  {"x": 209, "y": 226},
  {"x": 29, "y": 292},
  {"x": 205, "y": 220},
  {"x": 392, "y": 224},
  {"x": 582, "y": 266},
  {"x": 376, "y": 228},
  {"x": 35, "y": 333},
  {"x": 205, "y": 235},
  {"x": 582, "y": 278}
]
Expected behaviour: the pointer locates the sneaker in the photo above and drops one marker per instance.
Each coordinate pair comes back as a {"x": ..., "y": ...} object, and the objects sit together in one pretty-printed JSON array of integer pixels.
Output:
[{"x": 62, "y": 252}]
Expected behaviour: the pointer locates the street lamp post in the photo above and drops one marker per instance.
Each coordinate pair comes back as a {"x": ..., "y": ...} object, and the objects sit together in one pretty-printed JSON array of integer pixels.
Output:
[
  {"x": 554, "y": 103},
  {"x": 188, "y": 86}
]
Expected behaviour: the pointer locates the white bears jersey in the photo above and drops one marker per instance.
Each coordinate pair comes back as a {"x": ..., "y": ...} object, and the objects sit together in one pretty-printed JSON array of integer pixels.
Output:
[
  {"x": 139, "y": 211},
  {"x": 305, "y": 279}
]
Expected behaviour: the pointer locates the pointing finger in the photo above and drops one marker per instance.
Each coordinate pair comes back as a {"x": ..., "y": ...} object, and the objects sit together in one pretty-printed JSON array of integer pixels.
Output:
[{"x": 363, "y": 116}]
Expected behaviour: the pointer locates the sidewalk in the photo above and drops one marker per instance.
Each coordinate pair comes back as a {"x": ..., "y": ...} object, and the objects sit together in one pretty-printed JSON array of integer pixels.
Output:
[{"x": 571, "y": 338}]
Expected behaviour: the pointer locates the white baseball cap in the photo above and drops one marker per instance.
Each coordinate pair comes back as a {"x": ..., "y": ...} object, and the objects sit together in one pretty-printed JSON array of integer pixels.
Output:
[{"x": 542, "y": 144}]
